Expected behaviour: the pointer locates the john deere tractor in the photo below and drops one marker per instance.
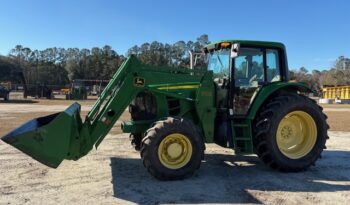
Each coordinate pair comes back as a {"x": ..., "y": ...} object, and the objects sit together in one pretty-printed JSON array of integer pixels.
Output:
[{"x": 243, "y": 100}]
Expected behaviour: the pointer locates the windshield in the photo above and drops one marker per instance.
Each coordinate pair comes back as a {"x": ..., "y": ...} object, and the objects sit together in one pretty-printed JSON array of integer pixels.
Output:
[{"x": 219, "y": 62}]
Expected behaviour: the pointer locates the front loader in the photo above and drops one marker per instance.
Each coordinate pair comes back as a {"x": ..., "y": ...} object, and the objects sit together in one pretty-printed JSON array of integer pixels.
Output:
[{"x": 243, "y": 100}]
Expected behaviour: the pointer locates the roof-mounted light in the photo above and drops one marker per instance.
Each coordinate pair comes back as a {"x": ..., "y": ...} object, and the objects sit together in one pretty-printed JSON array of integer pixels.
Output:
[{"x": 225, "y": 44}]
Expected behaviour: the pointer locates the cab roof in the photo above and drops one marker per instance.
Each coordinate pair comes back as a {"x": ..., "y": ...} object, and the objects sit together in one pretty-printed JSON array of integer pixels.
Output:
[{"x": 216, "y": 45}]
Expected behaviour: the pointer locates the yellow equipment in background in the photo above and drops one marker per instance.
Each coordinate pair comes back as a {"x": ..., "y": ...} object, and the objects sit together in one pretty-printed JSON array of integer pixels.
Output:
[
  {"x": 339, "y": 92},
  {"x": 65, "y": 91}
]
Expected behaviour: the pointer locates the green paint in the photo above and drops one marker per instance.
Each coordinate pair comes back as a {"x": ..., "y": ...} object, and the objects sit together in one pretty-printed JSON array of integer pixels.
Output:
[
  {"x": 49, "y": 139},
  {"x": 266, "y": 91},
  {"x": 248, "y": 43}
]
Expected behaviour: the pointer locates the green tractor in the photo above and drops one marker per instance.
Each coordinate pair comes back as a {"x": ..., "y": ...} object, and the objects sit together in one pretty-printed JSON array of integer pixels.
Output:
[
  {"x": 77, "y": 90},
  {"x": 243, "y": 100}
]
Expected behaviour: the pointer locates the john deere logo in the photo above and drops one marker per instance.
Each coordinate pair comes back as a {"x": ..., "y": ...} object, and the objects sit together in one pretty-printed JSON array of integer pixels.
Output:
[{"x": 139, "y": 82}]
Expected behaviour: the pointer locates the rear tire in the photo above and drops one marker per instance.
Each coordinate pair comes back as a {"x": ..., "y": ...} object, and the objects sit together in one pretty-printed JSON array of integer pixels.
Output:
[
  {"x": 172, "y": 149},
  {"x": 268, "y": 133}
]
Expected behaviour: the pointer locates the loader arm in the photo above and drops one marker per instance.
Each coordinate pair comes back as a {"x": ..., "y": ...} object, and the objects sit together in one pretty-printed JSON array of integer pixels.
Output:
[
  {"x": 53, "y": 138},
  {"x": 132, "y": 78}
]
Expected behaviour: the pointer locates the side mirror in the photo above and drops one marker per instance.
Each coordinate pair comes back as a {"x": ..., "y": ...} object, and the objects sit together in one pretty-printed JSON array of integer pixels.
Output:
[{"x": 235, "y": 50}]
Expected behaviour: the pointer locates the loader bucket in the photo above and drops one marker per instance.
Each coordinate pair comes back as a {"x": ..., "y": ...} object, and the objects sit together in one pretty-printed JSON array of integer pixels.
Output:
[{"x": 47, "y": 139}]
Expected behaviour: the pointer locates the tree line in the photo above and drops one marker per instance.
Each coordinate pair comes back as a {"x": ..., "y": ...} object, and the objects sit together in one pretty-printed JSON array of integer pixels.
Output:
[
  {"x": 59, "y": 66},
  {"x": 337, "y": 75}
]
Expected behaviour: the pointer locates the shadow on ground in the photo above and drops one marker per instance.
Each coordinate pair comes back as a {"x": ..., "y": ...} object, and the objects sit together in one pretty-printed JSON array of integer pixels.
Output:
[
  {"x": 24, "y": 101},
  {"x": 223, "y": 179}
]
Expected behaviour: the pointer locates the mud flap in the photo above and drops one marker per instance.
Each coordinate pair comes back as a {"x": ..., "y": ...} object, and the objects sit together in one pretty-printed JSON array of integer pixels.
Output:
[{"x": 48, "y": 139}]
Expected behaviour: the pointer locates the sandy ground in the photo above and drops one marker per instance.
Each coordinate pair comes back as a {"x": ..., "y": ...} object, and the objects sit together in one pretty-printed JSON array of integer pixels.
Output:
[
  {"x": 114, "y": 173},
  {"x": 17, "y": 112}
]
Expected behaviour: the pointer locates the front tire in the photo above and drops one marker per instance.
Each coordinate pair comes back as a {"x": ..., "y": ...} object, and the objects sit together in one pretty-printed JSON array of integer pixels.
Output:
[
  {"x": 290, "y": 133},
  {"x": 172, "y": 149}
]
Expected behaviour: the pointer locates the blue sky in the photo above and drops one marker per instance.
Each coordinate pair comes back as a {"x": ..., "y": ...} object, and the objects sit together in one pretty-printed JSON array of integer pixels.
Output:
[{"x": 315, "y": 32}]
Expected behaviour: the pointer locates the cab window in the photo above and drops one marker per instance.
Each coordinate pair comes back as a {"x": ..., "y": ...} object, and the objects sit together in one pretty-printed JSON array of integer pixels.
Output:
[
  {"x": 219, "y": 63},
  {"x": 272, "y": 65},
  {"x": 253, "y": 67},
  {"x": 249, "y": 67}
]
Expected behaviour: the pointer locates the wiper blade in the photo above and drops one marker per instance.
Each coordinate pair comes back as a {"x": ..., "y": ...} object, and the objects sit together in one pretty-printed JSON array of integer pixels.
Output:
[{"x": 220, "y": 61}]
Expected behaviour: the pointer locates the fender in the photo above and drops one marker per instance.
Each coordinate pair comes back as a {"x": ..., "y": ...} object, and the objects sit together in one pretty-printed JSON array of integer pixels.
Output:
[{"x": 266, "y": 91}]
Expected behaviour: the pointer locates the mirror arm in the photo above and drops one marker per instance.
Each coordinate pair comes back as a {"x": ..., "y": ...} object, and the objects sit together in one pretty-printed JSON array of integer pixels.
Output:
[
  {"x": 235, "y": 50},
  {"x": 191, "y": 59}
]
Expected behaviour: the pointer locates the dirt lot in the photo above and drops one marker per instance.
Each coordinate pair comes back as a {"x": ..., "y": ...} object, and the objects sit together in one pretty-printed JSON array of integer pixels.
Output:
[
  {"x": 338, "y": 117},
  {"x": 114, "y": 174}
]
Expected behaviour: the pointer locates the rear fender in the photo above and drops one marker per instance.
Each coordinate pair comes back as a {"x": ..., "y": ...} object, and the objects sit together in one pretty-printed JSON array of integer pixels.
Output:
[{"x": 272, "y": 89}]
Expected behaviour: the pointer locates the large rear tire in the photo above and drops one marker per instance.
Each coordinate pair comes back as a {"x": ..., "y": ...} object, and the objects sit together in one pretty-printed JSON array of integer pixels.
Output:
[
  {"x": 290, "y": 133},
  {"x": 172, "y": 149}
]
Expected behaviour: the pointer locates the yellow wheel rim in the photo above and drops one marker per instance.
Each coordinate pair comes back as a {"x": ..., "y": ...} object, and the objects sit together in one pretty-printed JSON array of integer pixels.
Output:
[
  {"x": 175, "y": 151},
  {"x": 296, "y": 134}
]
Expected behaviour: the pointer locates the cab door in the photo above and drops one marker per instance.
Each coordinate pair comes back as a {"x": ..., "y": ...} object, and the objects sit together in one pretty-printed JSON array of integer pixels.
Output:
[{"x": 253, "y": 68}]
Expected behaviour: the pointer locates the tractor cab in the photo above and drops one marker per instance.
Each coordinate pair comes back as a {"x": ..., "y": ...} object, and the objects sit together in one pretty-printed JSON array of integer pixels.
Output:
[{"x": 242, "y": 67}]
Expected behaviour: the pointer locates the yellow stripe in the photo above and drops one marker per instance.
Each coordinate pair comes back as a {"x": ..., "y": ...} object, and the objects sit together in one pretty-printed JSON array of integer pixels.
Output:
[{"x": 179, "y": 87}]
